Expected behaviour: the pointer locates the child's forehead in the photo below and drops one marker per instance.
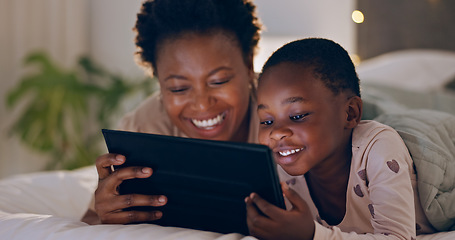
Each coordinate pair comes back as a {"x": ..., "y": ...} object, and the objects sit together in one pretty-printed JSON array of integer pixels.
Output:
[
  {"x": 293, "y": 79},
  {"x": 288, "y": 73}
]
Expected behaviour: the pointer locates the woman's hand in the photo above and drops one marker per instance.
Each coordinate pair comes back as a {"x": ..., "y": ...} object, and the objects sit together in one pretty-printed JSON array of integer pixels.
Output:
[
  {"x": 109, "y": 204},
  {"x": 277, "y": 223}
]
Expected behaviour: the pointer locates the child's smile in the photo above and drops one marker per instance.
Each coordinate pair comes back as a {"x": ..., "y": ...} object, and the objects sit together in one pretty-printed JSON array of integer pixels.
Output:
[
  {"x": 287, "y": 157},
  {"x": 286, "y": 153}
]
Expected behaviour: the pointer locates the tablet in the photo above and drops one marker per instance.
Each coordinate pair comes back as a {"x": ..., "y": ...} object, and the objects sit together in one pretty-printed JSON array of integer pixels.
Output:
[{"x": 205, "y": 181}]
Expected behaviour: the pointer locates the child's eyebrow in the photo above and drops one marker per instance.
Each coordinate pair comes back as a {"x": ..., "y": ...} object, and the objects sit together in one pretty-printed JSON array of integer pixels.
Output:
[
  {"x": 262, "y": 106},
  {"x": 292, "y": 100},
  {"x": 285, "y": 101}
]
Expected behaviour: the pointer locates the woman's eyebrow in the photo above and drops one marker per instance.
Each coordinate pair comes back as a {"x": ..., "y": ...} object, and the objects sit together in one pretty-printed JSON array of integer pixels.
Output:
[
  {"x": 219, "y": 69},
  {"x": 174, "y": 76}
]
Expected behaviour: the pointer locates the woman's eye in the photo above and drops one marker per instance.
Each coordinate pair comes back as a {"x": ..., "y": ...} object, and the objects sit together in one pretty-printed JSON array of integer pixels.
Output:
[
  {"x": 178, "y": 90},
  {"x": 220, "y": 81},
  {"x": 298, "y": 117},
  {"x": 268, "y": 122}
]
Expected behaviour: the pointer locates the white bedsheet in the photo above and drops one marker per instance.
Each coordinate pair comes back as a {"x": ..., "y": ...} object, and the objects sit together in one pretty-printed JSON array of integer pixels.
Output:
[{"x": 48, "y": 205}]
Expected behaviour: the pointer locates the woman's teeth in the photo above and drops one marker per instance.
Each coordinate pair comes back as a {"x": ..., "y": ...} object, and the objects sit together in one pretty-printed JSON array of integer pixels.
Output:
[
  {"x": 209, "y": 123},
  {"x": 289, "y": 152}
]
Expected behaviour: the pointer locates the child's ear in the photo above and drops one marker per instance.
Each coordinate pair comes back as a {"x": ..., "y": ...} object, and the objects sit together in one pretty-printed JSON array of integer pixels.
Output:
[{"x": 353, "y": 111}]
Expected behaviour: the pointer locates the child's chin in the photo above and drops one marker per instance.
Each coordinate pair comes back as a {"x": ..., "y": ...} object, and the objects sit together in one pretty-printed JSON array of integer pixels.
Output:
[{"x": 292, "y": 171}]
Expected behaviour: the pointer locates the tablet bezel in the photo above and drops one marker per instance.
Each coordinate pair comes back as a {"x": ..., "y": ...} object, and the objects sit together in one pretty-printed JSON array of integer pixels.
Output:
[{"x": 215, "y": 187}]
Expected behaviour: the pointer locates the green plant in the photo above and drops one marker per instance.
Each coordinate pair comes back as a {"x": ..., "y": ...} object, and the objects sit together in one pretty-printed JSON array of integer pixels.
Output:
[{"x": 63, "y": 110}]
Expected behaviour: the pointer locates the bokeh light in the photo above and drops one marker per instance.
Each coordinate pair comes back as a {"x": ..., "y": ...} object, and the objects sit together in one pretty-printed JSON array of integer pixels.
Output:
[{"x": 357, "y": 16}]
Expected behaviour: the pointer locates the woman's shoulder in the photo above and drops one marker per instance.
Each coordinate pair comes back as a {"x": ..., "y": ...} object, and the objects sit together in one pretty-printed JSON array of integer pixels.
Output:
[{"x": 149, "y": 117}]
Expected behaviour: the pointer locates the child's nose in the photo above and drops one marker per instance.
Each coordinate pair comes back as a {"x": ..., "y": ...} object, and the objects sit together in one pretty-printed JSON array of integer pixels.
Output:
[{"x": 280, "y": 132}]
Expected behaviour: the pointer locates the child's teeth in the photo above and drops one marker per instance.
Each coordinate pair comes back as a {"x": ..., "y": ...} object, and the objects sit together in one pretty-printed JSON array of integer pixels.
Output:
[{"x": 289, "y": 152}]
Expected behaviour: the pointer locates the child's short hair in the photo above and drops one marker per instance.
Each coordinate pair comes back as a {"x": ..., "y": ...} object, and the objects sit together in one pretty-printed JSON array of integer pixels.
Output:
[{"x": 329, "y": 61}]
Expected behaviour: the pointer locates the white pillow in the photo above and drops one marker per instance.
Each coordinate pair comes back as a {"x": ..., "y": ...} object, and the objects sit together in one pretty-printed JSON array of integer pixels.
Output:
[{"x": 415, "y": 70}]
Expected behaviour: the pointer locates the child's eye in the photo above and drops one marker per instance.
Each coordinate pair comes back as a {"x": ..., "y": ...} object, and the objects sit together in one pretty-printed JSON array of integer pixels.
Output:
[
  {"x": 268, "y": 122},
  {"x": 298, "y": 117}
]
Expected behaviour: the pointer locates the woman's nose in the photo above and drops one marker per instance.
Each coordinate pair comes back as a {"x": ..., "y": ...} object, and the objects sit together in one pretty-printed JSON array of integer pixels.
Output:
[{"x": 202, "y": 100}]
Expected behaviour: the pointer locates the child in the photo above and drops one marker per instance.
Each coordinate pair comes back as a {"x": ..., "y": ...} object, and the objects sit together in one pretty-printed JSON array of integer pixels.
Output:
[{"x": 349, "y": 178}]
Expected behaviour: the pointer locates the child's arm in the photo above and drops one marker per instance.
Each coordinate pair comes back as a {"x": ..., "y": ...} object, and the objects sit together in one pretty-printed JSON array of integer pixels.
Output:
[
  {"x": 278, "y": 223},
  {"x": 297, "y": 223}
]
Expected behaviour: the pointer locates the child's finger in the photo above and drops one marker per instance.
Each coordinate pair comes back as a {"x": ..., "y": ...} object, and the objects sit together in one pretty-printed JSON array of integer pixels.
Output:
[
  {"x": 265, "y": 207},
  {"x": 293, "y": 197},
  {"x": 256, "y": 222}
]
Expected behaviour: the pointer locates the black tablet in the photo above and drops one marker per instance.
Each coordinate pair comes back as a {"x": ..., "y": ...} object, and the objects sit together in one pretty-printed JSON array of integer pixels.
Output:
[{"x": 205, "y": 181}]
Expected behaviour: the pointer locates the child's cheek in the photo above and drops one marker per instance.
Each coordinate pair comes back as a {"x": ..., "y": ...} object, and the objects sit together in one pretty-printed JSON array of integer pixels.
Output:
[{"x": 262, "y": 137}]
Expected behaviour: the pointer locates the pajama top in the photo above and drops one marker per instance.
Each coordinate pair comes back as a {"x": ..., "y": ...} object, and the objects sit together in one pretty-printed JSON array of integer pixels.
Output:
[{"x": 382, "y": 199}]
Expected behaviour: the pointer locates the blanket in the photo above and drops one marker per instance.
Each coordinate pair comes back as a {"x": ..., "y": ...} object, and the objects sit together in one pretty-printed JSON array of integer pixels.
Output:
[{"x": 430, "y": 138}]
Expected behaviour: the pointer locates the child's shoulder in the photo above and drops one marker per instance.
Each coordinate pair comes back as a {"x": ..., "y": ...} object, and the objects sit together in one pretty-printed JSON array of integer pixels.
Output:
[
  {"x": 370, "y": 129},
  {"x": 372, "y": 136}
]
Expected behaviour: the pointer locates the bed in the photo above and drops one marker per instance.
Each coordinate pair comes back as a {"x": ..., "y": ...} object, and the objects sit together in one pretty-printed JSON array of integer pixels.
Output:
[
  {"x": 48, "y": 205},
  {"x": 28, "y": 212},
  {"x": 415, "y": 78}
]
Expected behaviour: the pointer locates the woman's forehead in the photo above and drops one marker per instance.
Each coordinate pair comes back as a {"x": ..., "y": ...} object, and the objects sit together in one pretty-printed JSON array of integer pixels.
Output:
[{"x": 199, "y": 52}]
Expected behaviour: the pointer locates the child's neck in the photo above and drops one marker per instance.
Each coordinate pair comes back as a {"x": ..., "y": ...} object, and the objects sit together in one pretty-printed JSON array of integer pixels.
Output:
[{"x": 328, "y": 186}]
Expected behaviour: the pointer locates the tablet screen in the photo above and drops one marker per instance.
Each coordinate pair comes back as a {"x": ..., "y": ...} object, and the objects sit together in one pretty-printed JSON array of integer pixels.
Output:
[{"x": 205, "y": 181}]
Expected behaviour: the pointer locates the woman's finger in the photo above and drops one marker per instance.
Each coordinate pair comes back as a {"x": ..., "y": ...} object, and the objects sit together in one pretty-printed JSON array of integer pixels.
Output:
[
  {"x": 135, "y": 200},
  {"x": 105, "y": 161},
  {"x": 111, "y": 183},
  {"x": 124, "y": 217}
]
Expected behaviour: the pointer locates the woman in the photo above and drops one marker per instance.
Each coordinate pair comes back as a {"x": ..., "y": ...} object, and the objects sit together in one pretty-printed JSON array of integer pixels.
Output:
[{"x": 202, "y": 52}]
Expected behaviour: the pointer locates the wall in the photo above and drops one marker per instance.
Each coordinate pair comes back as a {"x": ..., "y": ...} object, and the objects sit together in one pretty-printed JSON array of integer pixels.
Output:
[
  {"x": 59, "y": 28},
  {"x": 111, "y": 35},
  {"x": 285, "y": 20},
  {"x": 288, "y": 20},
  {"x": 395, "y": 25}
]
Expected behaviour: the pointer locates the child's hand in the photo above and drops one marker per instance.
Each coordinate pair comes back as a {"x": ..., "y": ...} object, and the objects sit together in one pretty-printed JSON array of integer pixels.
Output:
[
  {"x": 278, "y": 223},
  {"x": 109, "y": 204}
]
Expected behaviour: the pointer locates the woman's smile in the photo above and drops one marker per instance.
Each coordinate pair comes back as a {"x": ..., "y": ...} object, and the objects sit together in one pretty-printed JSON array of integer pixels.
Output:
[{"x": 208, "y": 124}]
